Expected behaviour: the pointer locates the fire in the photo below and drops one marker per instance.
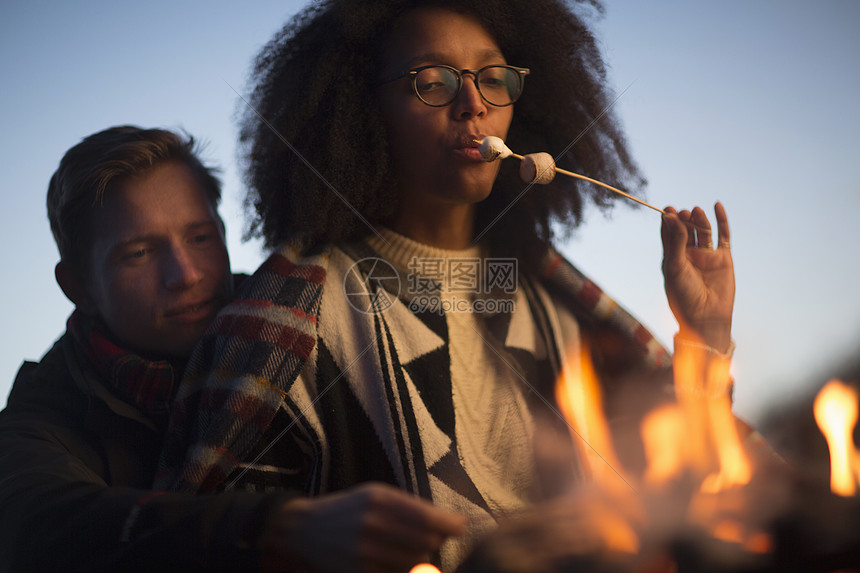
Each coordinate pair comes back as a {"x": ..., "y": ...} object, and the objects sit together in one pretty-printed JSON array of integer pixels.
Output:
[
  {"x": 715, "y": 454},
  {"x": 694, "y": 440},
  {"x": 734, "y": 466},
  {"x": 698, "y": 476},
  {"x": 835, "y": 410},
  {"x": 578, "y": 395},
  {"x": 662, "y": 433},
  {"x": 424, "y": 568},
  {"x": 616, "y": 531},
  {"x": 702, "y": 385}
]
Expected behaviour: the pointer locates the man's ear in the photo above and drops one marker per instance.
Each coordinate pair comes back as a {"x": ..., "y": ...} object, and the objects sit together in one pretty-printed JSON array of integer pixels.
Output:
[{"x": 74, "y": 288}]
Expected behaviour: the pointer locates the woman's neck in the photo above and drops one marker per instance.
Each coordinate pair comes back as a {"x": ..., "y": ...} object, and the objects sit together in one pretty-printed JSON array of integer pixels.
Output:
[{"x": 445, "y": 226}]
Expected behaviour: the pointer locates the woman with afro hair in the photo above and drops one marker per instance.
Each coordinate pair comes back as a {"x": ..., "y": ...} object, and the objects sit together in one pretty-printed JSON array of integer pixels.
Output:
[{"x": 408, "y": 329}]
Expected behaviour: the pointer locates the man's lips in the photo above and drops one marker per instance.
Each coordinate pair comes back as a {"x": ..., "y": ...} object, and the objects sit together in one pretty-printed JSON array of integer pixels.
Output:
[{"x": 191, "y": 310}]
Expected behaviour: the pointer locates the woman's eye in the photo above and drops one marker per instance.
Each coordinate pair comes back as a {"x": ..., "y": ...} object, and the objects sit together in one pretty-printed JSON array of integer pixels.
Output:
[
  {"x": 493, "y": 83},
  {"x": 430, "y": 86}
]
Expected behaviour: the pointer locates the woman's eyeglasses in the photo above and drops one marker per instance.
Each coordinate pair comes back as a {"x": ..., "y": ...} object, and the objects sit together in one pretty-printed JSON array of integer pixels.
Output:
[{"x": 438, "y": 85}]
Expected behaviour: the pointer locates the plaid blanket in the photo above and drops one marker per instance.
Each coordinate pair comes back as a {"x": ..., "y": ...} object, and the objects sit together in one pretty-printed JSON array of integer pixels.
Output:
[{"x": 245, "y": 368}]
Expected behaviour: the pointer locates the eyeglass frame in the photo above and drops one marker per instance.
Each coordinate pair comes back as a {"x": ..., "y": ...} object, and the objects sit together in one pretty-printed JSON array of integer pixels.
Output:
[{"x": 413, "y": 76}]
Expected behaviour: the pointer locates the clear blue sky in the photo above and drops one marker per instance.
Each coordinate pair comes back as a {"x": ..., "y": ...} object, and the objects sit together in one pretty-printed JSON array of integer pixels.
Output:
[{"x": 751, "y": 103}]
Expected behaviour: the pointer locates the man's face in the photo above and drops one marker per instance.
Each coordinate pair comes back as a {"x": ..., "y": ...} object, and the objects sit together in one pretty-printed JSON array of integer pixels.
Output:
[{"x": 159, "y": 270}]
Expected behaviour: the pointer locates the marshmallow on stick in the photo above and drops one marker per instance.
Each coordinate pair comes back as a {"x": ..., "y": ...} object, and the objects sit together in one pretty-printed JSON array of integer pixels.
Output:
[
  {"x": 537, "y": 168},
  {"x": 540, "y": 167},
  {"x": 492, "y": 148}
]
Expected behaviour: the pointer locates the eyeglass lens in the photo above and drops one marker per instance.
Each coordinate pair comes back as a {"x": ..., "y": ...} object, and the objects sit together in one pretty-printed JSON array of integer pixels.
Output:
[{"x": 439, "y": 85}]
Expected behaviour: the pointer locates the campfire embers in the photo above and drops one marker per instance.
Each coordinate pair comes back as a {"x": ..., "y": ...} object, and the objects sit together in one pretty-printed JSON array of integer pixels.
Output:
[
  {"x": 711, "y": 498},
  {"x": 700, "y": 492}
]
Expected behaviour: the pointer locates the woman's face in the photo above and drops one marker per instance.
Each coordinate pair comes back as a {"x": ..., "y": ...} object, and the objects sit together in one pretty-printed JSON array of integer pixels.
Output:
[{"x": 435, "y": 158}]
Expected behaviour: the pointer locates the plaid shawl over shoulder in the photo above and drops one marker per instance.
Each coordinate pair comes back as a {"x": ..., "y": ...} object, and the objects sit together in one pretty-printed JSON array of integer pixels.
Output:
[
  {"x": 241, "y": 371},
  {"x": 258, "y": 345}
]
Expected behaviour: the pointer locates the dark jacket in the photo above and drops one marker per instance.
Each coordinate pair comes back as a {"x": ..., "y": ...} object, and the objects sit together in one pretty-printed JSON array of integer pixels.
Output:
[{"x": 76, "y": 468}]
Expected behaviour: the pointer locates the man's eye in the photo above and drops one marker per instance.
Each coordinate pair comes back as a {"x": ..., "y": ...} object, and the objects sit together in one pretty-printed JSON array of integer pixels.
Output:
[
  {"x": 202, "y": 238},
  {"x": 136, "y": 255}
]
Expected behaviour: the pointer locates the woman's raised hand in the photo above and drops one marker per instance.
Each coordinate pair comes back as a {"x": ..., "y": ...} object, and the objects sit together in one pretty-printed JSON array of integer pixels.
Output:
[{"x": 699, "y": 279}]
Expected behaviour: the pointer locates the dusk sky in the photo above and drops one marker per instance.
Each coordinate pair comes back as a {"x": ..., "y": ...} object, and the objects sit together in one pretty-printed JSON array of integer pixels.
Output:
[{"x": 753, "y": 103}]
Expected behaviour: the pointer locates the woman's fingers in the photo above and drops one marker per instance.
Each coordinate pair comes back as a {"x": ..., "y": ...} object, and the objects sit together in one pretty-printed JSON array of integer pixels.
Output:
[
  {"x": 685, "y": 217},
  {"x": 723, "y": 237},
  {"x": 699, "y": 222},
  {"x": 674, "y": 234},
  {"x": 699, "y": 233}
]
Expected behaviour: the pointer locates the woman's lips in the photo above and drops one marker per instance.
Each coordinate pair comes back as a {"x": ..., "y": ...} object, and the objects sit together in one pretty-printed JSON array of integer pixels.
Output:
[
  {"x": 467, "y": 146},
  {"x": 470, "y": 153}
]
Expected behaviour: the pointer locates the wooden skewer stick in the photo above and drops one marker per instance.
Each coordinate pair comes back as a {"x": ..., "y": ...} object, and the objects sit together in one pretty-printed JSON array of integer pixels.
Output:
[
  {"x": 600, "y": 183},
  {"x": 596, "y": 182}
]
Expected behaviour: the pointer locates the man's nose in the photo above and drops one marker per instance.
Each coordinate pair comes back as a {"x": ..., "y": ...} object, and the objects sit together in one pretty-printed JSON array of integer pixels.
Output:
[{"x": 181, "y": 269}]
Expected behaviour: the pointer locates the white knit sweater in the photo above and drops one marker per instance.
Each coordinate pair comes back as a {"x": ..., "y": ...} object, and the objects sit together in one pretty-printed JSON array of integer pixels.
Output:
[{"x": 494, "y": 427}]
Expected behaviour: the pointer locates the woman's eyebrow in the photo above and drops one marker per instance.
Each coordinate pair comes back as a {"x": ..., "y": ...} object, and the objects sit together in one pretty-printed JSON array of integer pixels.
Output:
[{"x": 436, "y": 57}]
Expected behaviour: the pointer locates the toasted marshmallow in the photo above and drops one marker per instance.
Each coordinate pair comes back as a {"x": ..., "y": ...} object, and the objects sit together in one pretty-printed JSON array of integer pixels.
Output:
[
  {"x": 537, "y": 168},
  {"x": 493, "y": 148}
]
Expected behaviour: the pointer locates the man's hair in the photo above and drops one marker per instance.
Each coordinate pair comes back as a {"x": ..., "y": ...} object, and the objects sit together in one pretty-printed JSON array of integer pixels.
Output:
[
  {"x": 314, "y": 85},
  {"x": 100, "y": 163}
]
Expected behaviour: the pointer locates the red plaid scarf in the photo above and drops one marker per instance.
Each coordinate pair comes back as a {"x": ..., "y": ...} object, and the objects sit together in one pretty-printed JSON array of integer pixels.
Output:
[{"x": 146, "y": 384}]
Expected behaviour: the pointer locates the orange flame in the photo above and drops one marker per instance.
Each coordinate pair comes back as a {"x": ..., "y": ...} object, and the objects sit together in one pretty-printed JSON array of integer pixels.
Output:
[
  {"x": 424, "y": 568},
  {"x": 734, "y": 466},
  {"x": 689, "y": 364},
  {"x": 578, "y": 395},
  {"x": 715, "y": 452},
  {"x": 615, "y": 530},
  {"x": 702, "y": 383},
  {"x": 699, "y": 438},
  {"x": 663, "y": 438},
  {"x": 835, "y": 410},
  {"x": 696, "y": 438}
]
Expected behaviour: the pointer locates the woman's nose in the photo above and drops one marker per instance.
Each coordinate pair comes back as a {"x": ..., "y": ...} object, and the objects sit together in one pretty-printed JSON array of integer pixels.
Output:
[{"x": 469, "y": 102}]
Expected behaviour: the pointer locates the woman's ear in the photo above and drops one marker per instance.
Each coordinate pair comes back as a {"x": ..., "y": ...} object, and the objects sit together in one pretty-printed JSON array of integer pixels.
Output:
[{"x": 74, "y": 287}]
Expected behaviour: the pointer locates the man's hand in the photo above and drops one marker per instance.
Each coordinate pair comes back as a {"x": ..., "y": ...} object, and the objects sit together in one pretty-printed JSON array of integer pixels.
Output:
[{"x": 372, "y": 528}]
